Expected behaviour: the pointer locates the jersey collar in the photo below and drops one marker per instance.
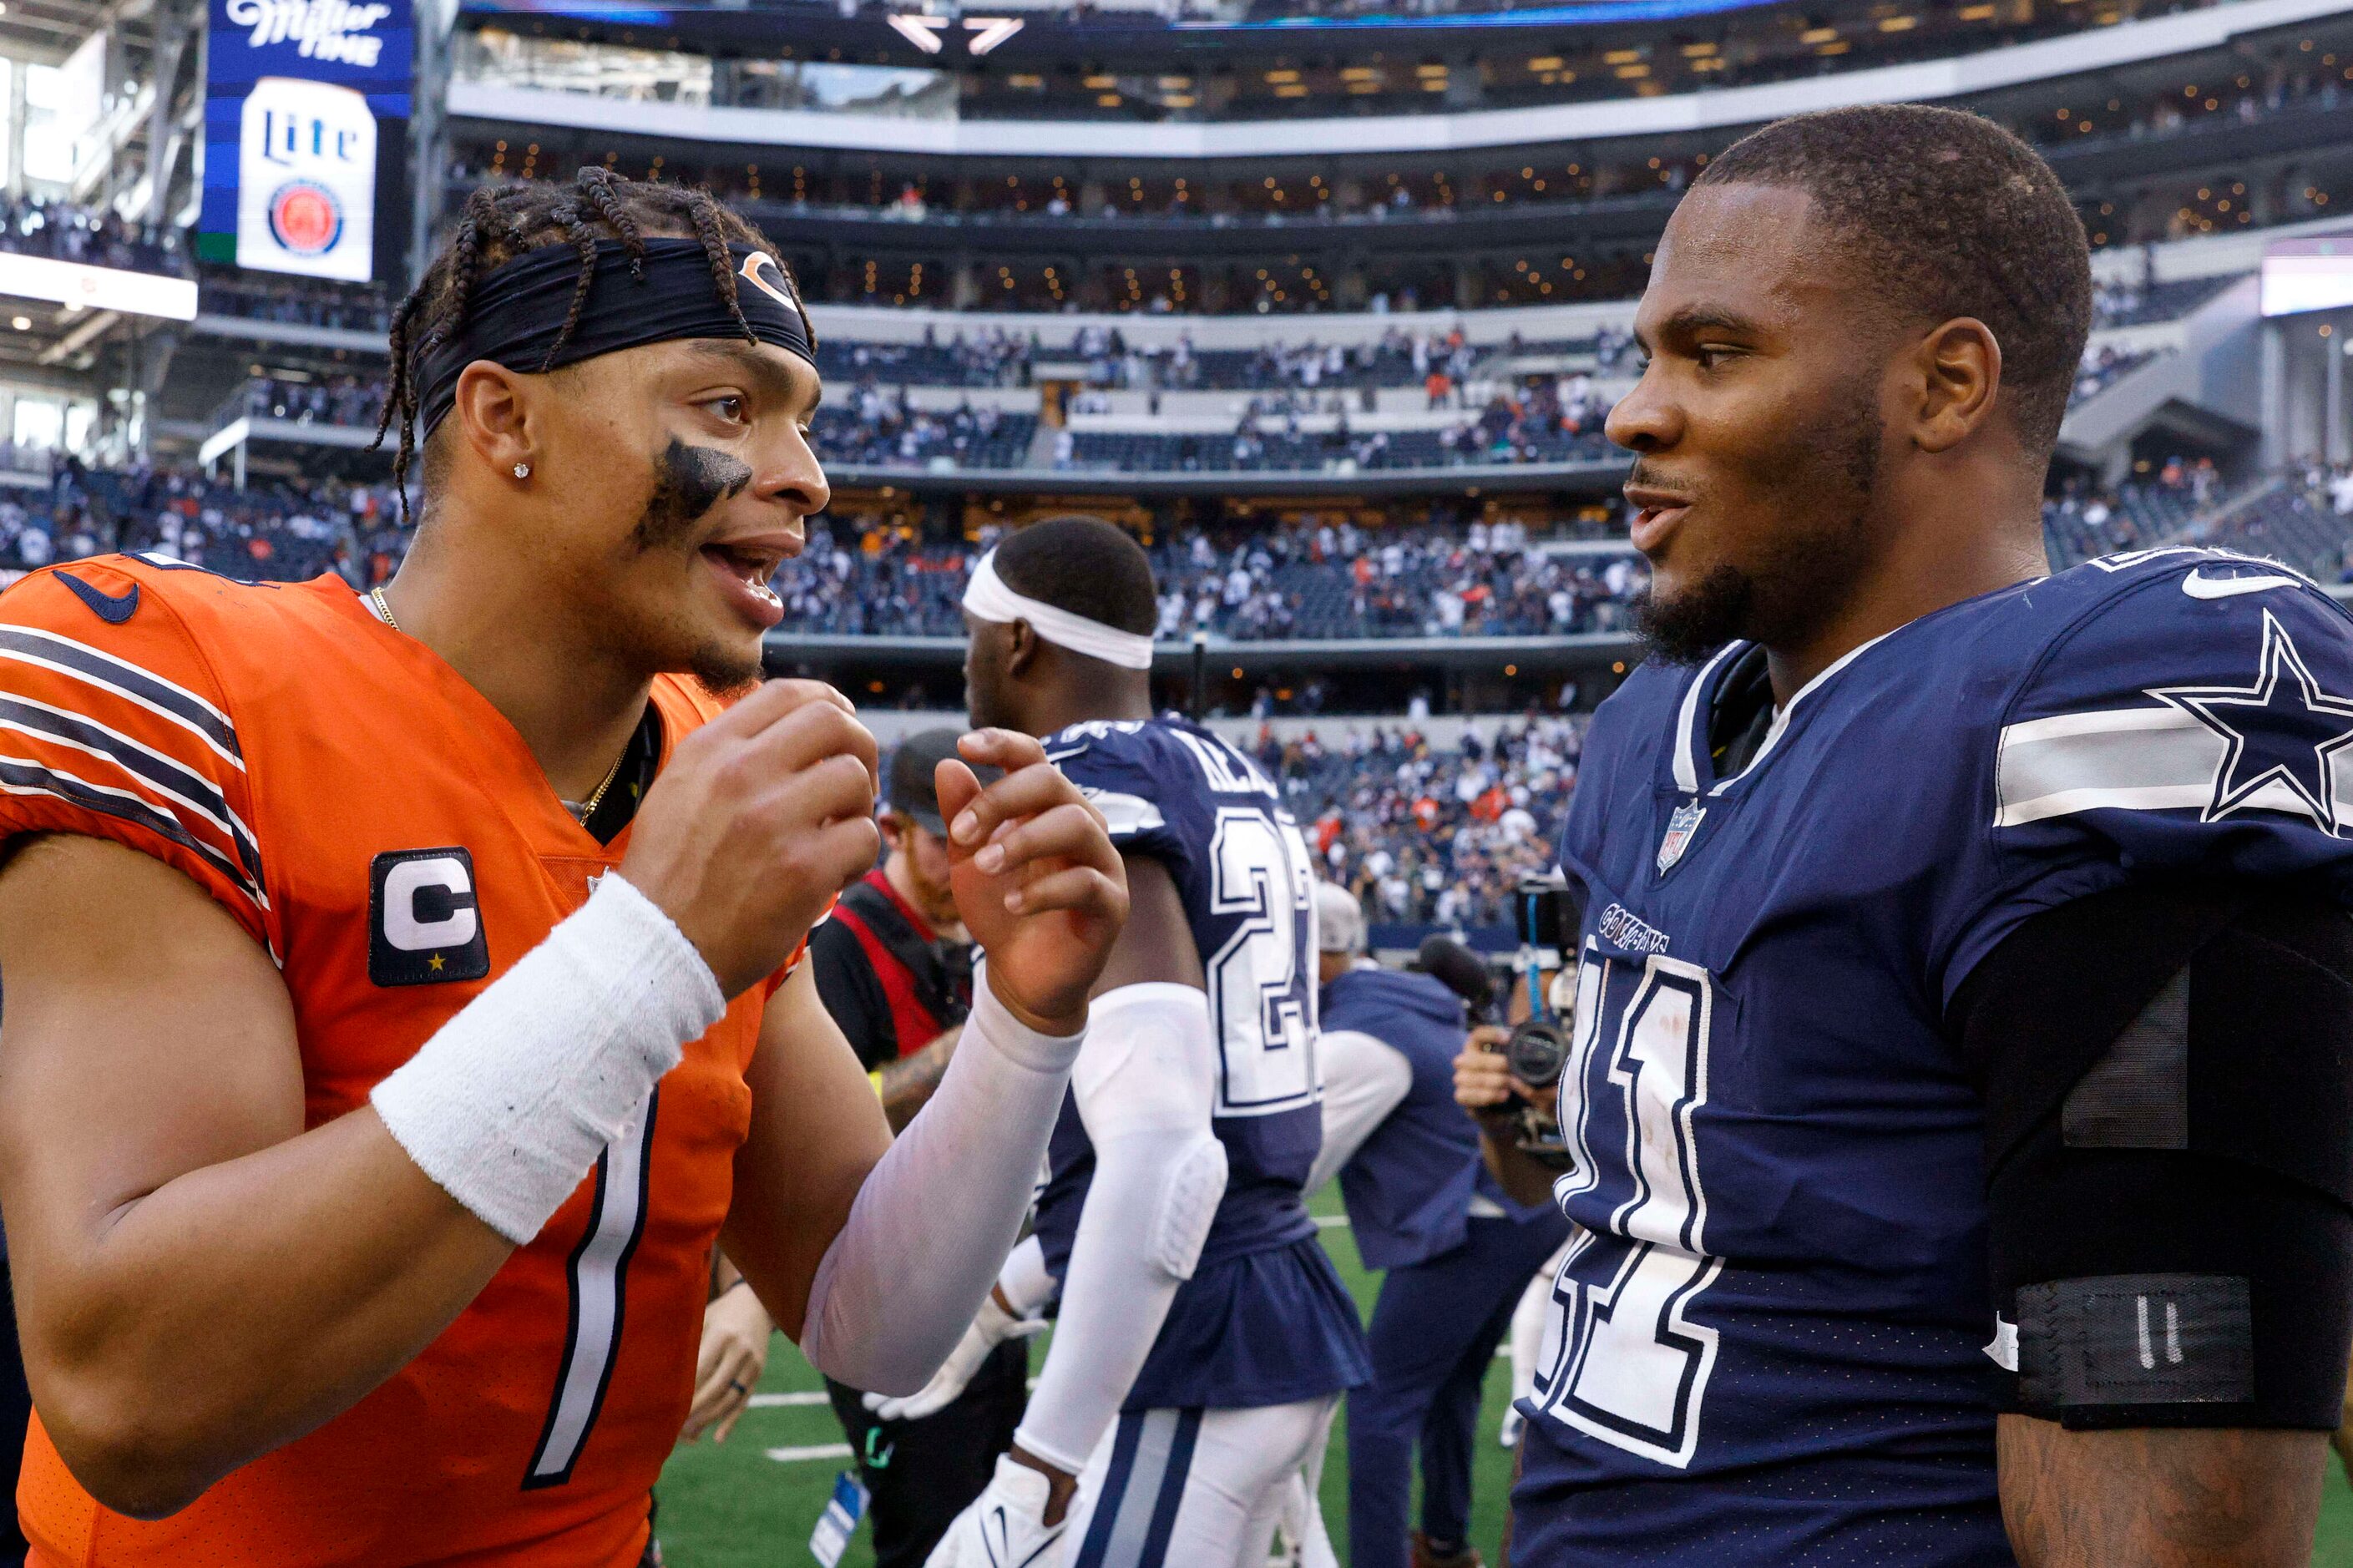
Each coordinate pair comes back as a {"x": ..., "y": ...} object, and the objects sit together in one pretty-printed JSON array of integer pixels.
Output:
[{"x": 1695, "y": 770}]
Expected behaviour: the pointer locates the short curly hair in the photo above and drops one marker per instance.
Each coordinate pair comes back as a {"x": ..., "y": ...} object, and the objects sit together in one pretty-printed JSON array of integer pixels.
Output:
[
  {"x": 1085, "y": 566},
  {"x": 1948, "y": 214}
]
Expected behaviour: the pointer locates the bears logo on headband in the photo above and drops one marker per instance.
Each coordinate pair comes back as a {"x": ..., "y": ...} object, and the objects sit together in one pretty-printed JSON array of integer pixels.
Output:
[
  {"x": 658, "y": 292},
  {"x": 781, "y": 291}
]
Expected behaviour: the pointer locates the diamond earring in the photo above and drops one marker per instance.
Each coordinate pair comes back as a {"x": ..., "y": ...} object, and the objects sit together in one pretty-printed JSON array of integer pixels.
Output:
[{"x": 523, "y": 470}]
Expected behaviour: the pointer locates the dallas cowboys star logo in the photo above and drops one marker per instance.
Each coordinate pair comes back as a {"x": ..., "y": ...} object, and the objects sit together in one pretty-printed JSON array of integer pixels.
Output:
[{"x": 2280, "y": 734}]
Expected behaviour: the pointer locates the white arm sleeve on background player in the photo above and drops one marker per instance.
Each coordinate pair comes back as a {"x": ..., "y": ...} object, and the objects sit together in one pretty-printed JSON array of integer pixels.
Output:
[
  {"x": 937, "y": 1215},
  {"x": 509, "y": 1102},
  {"x": 1144, "y": 1085},
  {"x": 1025, "y": 1280},
  {"x": 1364, "y": 1079}
]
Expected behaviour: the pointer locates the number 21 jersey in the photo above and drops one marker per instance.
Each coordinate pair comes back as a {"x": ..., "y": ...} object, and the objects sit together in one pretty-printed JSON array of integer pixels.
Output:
[{"x": 1264, "y": 1320}]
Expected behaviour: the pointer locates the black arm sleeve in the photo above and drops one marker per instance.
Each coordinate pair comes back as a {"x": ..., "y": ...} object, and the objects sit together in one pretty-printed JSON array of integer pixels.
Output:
[
  {"x": 2168, "y": 1076},
  {"x": 852, "y": 993}
]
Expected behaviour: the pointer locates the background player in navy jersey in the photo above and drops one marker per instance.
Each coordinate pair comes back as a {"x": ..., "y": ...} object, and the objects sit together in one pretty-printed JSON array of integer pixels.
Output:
[
  {"x": 1457, "y": 1252},
  {"x": 1204, "y": 1337},
  {"x": 1961, "y": 1095}
]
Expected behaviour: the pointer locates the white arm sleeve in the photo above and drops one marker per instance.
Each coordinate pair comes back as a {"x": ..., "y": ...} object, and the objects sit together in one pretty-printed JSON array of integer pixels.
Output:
[
  {"x": 1364, "y": 1079},
  {"x": 1144, "y": 1085},
  {"x": 1025, "y": 1280},
  {"x": 939, "y": 1211}
]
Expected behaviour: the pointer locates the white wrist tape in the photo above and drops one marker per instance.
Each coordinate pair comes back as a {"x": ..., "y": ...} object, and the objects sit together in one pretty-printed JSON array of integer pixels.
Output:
[
  {"x": 509, "y": 1102},
  {"x": 937, "y": 1215}
]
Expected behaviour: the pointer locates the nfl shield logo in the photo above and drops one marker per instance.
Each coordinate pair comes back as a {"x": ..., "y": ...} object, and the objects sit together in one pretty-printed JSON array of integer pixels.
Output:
[{"x": 1681, "y": 827}]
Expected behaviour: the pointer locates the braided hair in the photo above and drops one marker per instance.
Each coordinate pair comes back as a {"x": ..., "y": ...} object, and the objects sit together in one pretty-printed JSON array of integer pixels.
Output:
[{"x": 500, "y": 223}]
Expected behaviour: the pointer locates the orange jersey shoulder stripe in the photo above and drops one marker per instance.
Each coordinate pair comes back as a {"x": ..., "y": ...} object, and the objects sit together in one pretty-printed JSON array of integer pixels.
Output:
[{"x": 121, "y": 731}]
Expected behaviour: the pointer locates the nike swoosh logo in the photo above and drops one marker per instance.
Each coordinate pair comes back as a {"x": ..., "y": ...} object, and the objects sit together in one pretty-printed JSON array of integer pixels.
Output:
[
  {"x": 2201, "y": 587},
  {"x": 112, "y": 608}
]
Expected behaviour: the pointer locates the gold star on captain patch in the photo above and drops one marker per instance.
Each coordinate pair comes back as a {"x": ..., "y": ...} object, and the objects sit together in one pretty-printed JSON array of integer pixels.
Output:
[{"x": 433, "y": 963}]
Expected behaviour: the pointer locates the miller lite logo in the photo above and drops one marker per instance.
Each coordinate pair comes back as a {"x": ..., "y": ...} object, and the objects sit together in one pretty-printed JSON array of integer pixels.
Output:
[
  {"x": 1681, "y": 829},
  {"x": 306, "y": 180},
  {"x": 305, "y": 218},
  {"x": 333, "y": 30}
]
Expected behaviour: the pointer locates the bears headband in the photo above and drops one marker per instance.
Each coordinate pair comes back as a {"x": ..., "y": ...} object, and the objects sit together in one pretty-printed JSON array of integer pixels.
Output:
[{"x": 517, "y": 311}]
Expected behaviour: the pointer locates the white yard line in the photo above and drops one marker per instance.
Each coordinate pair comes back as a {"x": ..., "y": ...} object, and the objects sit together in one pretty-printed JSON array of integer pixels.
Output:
[
  {"x": 817, "y": 1451},
  {"x": 765, "y": 1401}
]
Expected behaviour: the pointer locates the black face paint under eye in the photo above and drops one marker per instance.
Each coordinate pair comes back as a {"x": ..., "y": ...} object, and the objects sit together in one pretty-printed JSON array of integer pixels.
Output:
[{"x": 688, "y": 482}]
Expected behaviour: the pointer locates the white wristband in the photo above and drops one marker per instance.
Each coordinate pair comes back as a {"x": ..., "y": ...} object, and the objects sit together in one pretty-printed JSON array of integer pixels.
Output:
[{"x": 509, "y": 1102}]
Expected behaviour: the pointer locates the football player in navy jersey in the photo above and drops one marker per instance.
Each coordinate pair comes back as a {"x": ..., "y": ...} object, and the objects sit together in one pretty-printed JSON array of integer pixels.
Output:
[
  {"x": 1204, "y": 1336},
  {"x": 1961, "y": 1094}
]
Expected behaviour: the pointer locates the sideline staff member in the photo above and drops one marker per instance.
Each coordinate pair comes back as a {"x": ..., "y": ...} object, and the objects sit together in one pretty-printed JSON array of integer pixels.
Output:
[
  {"x": 894, "y": 968},
  {"x": 1457, "y": 1251}
]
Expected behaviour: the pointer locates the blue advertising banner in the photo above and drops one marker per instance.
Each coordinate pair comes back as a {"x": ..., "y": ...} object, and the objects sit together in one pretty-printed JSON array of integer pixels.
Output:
[{"x": 307, "y": 105}]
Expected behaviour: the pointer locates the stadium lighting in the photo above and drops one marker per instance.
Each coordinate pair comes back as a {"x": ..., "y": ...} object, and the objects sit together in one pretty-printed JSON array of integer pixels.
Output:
[
  {"x": 987, "y": 32},
  {"x": 924, "y": 32}
]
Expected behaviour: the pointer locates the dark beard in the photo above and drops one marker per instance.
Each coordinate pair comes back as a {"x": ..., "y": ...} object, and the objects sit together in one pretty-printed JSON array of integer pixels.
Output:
[
  {"x": 1826, "y": 477},
  {"x": 1692, "y": 625},
  {"x": 723, "y": 674}
]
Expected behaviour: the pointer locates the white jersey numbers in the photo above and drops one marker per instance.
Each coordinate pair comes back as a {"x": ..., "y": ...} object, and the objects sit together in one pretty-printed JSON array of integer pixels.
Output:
[{"x": 1622, "y": 1361}]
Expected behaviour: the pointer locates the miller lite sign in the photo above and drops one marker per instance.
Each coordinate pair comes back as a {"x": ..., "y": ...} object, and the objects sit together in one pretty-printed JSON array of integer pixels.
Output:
[
  {"x": 302, "y": 97},
  {"x": 306, "y": 180}
]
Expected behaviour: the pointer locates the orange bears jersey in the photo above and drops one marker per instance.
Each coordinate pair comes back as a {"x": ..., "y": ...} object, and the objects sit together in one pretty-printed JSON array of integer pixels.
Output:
[{"x": 385, "y": 832}]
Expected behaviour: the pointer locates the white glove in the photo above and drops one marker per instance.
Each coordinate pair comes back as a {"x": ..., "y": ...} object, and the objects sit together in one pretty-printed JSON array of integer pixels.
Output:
[
  {"x": 991, "y": 1329},
  {"x": 1005, "y": 1527}
]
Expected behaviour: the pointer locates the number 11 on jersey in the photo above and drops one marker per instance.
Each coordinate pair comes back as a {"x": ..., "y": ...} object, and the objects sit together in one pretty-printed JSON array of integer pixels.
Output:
[{"x": 1623, "y": 1361}]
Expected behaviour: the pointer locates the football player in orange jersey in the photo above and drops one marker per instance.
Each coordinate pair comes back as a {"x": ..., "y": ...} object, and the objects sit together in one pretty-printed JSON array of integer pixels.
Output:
[{"x": 401, "y": 989}]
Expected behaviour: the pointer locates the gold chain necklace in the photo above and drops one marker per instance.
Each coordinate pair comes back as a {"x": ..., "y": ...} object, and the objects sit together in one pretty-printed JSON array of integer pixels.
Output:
[{"x": 580, "y": 813}]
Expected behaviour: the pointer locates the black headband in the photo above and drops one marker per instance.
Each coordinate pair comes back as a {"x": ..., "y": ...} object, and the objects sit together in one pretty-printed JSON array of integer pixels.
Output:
[{"x": 517, "y": 312}]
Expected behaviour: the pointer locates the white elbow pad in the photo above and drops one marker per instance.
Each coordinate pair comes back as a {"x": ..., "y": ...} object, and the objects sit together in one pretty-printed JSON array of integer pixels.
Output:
[{"x": 1188, "y": 1205}]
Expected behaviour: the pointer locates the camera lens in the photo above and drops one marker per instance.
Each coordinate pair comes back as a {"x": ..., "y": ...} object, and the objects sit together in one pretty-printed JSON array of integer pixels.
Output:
[{"x": 1537, "y": 1052}]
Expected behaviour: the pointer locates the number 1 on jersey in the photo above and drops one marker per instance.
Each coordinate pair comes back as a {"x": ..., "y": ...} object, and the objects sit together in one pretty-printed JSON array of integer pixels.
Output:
[{"x": 598, "y": 1275}]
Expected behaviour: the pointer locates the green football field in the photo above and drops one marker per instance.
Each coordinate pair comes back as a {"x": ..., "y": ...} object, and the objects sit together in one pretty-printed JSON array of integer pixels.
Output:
[{"x": 752, "y": 1502}]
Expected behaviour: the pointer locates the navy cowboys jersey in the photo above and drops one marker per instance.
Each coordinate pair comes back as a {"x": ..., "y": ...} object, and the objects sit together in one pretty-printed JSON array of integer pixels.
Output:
[
  {"x": 1264, "y": 1319},
  {"x": 1770, "y": 1341}
]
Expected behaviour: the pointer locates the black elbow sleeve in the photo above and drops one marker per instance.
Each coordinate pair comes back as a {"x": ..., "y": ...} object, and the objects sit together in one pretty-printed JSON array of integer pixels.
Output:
[{"x": 2168, "y": 1076}]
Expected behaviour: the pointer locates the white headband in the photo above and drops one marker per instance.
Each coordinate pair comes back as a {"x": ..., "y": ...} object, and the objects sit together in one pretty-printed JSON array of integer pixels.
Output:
[{"x": 988, "y": 599}]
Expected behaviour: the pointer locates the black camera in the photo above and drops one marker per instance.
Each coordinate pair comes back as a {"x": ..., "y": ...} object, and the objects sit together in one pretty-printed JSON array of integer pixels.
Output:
[{"x": 1537, "y": 1050}]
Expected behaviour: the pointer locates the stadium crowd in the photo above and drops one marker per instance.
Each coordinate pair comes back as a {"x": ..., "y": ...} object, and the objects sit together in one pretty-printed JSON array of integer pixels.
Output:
[
  {"x": 1423, "y": 834},
  {"x": 863, "y": 578},
  {"x": 95, "y": 236}
]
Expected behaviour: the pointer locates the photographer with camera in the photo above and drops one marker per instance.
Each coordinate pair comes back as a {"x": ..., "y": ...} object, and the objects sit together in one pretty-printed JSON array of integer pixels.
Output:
[
  {"x": 1457, "y": 1249},
  {"x": 1508, "y": 1076}
]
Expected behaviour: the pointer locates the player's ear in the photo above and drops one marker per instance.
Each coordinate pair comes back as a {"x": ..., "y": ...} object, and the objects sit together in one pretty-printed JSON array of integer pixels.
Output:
[
  {"x": 1958, "y": 365},
  {"x": 1021, "y": 649},
  {"x": 492, "y": 413}
]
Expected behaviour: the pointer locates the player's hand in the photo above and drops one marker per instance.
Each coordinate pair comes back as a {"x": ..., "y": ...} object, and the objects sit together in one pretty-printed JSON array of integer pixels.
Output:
[
  {"x": 991, "y": 1329},
  {"x": 761, "y": 818},
  {"x": 1036, "y": 881},
  {"x": 1483, "y": 1084},
  {"x": 736, "y": 1329},
  {"x": 1006, "y": 1526}
]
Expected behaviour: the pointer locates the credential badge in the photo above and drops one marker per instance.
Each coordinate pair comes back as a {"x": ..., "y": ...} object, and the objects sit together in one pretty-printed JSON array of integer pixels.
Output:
[{"x": 1681, "y": 829}]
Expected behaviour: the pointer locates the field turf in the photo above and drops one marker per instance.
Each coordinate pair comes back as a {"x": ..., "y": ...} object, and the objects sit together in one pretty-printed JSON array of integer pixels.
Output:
[{"x": 734, "y": 1507}]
